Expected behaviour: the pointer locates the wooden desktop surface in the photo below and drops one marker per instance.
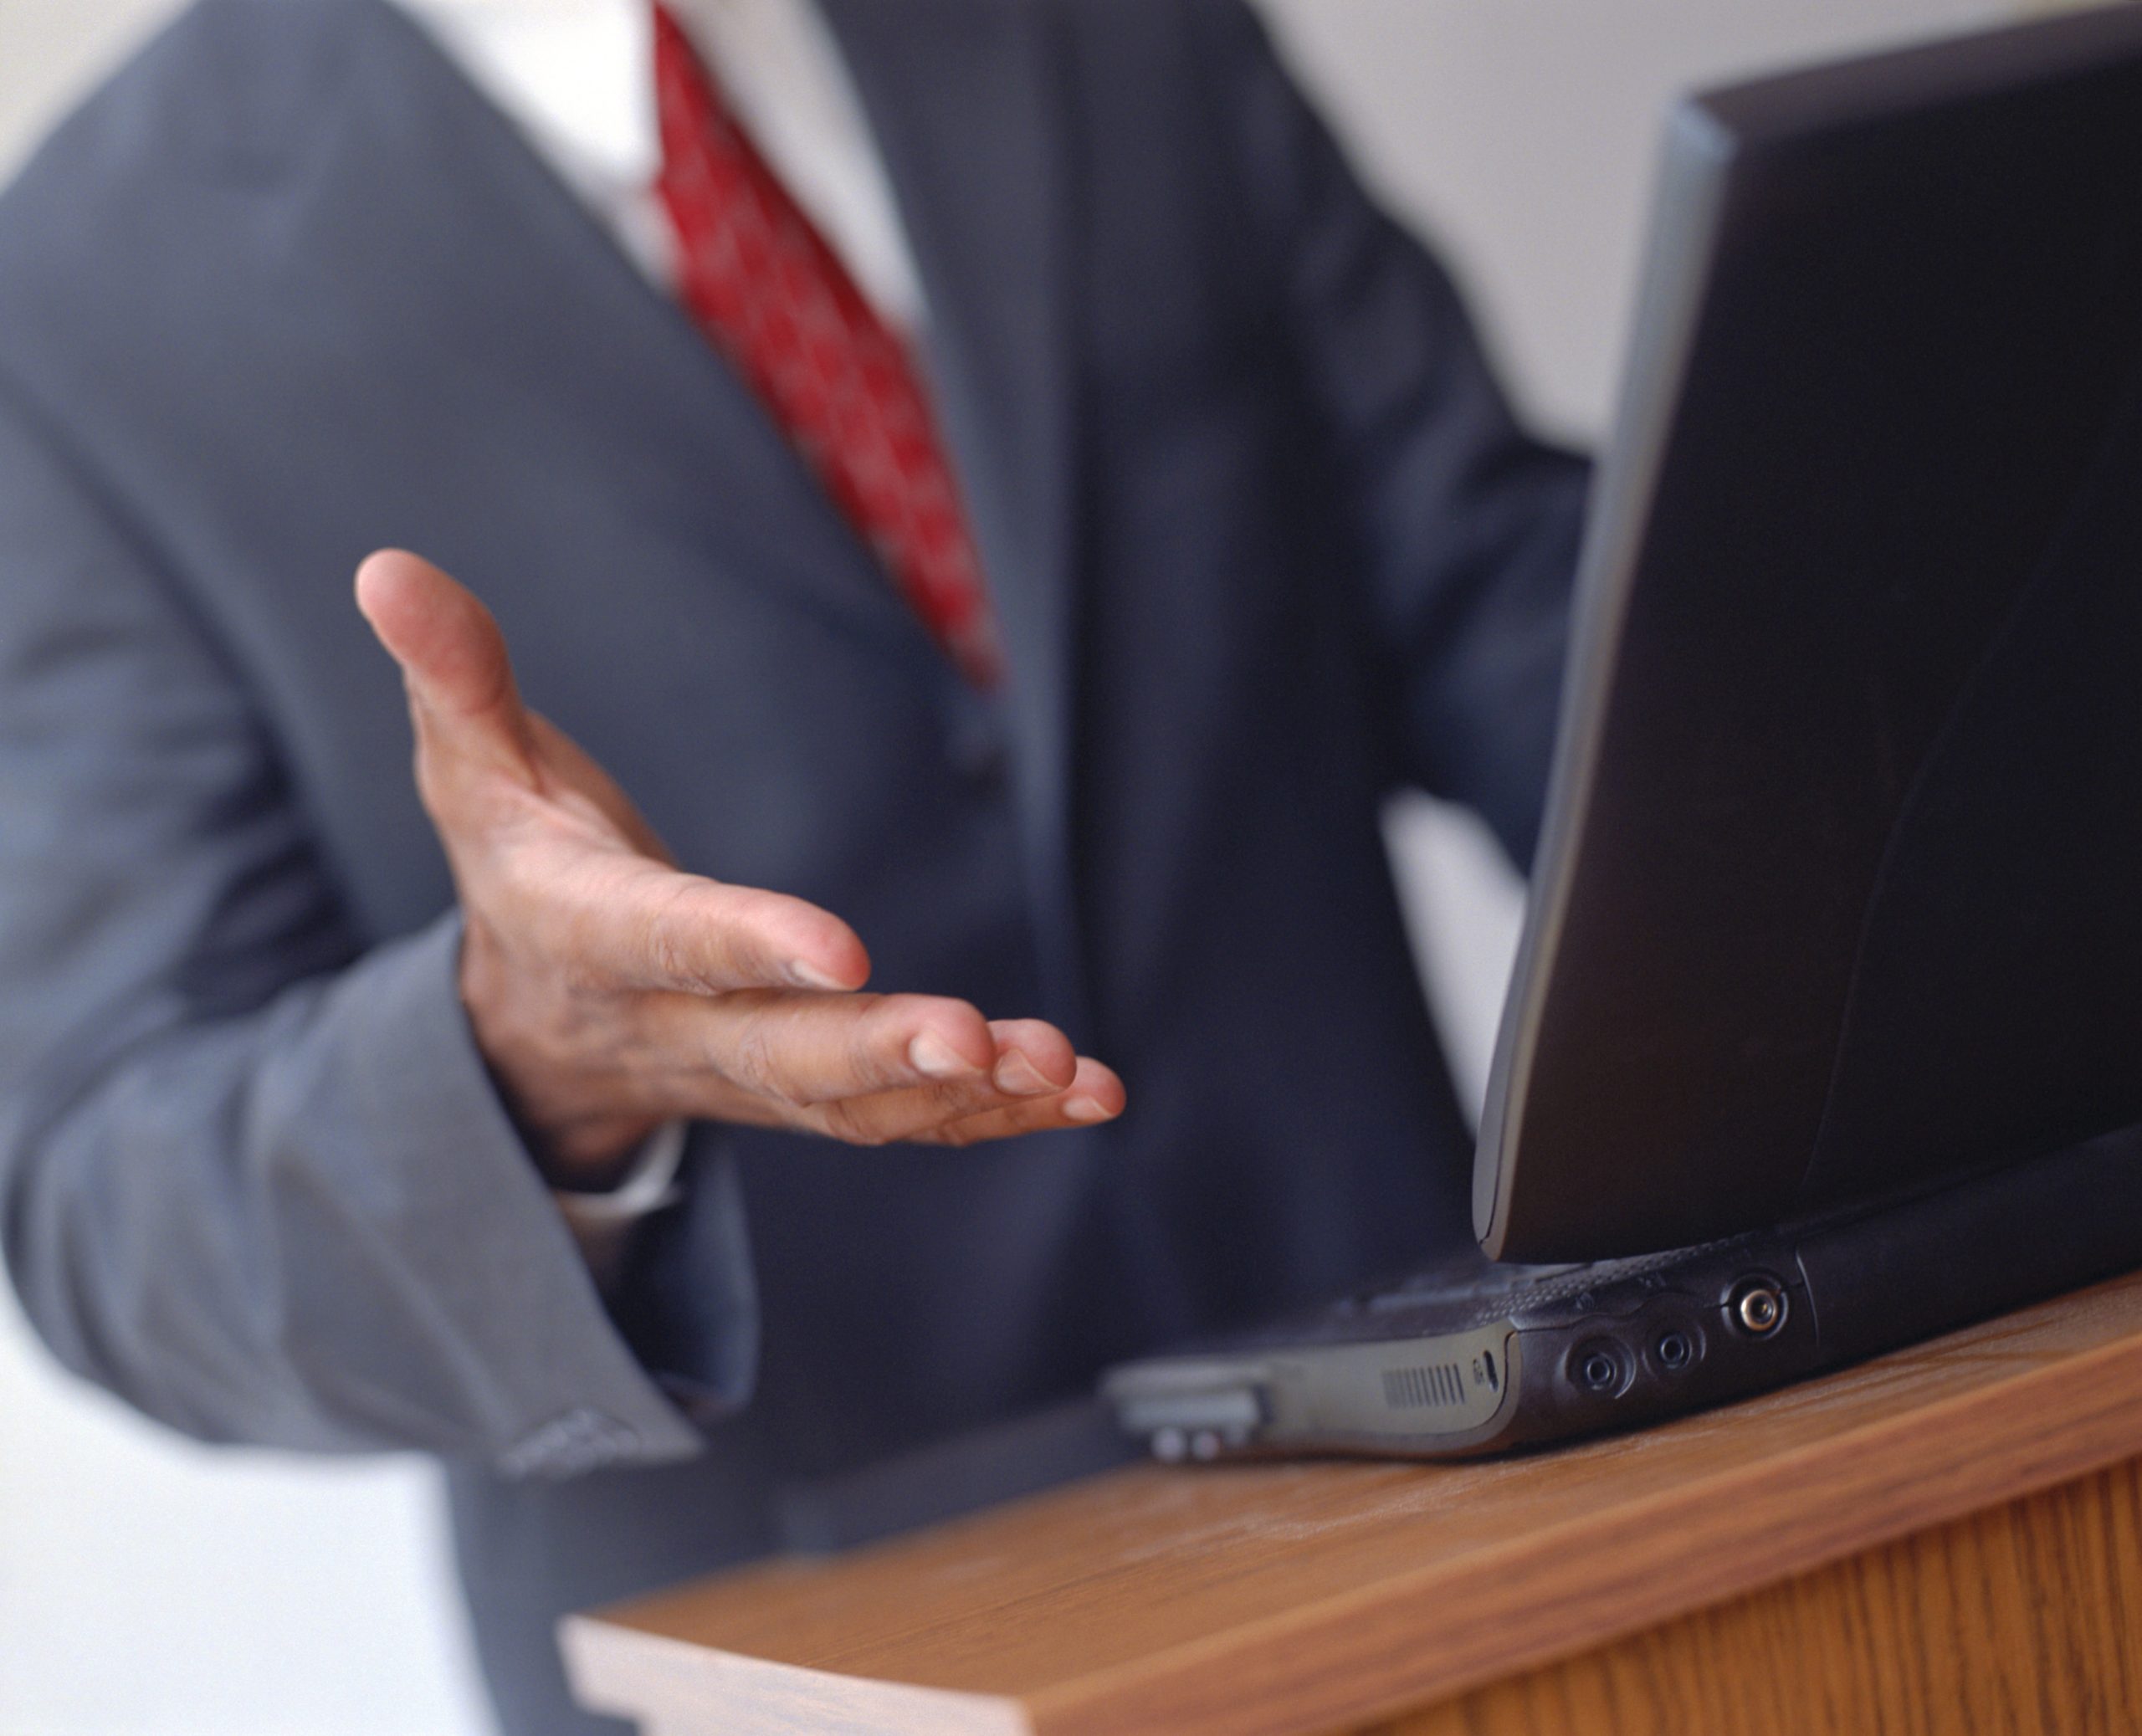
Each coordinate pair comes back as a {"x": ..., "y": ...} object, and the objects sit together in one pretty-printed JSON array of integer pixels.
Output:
[{"x": 1948, "y": 1539}]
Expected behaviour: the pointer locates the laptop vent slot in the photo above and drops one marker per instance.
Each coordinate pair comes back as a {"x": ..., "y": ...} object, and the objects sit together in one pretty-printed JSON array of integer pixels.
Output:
[{"x": 1418, "y": 1388}]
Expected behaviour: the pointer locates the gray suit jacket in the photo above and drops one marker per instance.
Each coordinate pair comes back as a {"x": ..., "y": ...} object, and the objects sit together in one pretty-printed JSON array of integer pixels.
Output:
[{"x": 1265, "y": 544}]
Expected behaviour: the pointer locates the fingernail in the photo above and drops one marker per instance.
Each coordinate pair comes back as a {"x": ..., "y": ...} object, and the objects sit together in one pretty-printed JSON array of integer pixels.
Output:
[
  {"x": 1020, "y": 1076},
  {"x": 1085, "y": 1108},
  {"x": 809, "y": 976},
  {"x": 936, "y": 1059}
]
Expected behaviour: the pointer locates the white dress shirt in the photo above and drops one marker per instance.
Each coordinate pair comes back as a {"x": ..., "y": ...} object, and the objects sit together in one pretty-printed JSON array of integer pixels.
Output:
[{"x": 576, "y": 77}]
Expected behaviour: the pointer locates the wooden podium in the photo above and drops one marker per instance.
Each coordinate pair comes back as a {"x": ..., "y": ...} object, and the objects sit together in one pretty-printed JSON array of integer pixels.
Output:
[{"x": 1946, "y": 1540}]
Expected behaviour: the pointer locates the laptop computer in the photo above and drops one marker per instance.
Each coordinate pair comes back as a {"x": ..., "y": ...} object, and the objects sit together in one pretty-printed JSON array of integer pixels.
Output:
[{"x": 1827, "y": 1029}]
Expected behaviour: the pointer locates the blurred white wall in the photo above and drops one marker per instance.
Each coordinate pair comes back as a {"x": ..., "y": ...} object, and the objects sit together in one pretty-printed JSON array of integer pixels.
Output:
[{"x": 151, "y": 1588}]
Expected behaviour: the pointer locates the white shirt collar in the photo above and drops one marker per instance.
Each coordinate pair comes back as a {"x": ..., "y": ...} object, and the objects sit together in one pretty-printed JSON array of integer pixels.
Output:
[
  {"x": 577, "y": 76},
  {"x": 574, "y": 74}
]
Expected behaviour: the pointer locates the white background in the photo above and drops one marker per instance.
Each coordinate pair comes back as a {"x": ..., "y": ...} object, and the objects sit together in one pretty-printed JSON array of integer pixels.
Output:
[{"x": 150, "y": 1586}]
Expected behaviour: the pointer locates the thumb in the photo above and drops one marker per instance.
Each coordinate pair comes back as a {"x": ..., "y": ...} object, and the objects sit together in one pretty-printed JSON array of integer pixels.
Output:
[{"x": 454, "y": 660}]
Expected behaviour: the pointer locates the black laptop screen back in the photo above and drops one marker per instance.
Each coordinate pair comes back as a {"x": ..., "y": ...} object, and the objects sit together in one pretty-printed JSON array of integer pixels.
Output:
[{"x": 1842, "y": 887}]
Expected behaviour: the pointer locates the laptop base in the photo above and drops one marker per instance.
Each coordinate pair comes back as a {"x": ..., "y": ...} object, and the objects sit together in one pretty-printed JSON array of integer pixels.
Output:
[{"x": 1470, "y": 1356}]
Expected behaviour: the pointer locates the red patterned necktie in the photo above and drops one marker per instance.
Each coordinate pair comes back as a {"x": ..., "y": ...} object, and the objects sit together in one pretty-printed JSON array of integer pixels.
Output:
[{"x": 770, "y": 294}]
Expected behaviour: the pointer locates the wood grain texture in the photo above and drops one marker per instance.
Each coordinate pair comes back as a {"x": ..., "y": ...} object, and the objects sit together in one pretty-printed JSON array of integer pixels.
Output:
[
  {"x": 2025, "y": 1621},
  {"x": 1311, "y": 1598}
]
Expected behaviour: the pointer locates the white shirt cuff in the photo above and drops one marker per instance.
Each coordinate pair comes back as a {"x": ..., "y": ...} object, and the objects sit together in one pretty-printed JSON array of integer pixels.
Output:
[{"x": 600, "y": 1223}]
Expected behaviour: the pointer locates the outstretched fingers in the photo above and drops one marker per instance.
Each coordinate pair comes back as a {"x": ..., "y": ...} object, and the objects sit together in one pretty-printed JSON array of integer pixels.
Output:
[
  {"x": 870, "y": 1069},
  {"x": 1095, "y": 1095}
]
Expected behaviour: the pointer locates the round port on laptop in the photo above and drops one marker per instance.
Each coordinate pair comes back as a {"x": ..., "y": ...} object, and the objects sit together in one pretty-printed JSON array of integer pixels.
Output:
[
  {"x": 1601, "y": 1368},
  {"x": 1756, "y": 1306}
]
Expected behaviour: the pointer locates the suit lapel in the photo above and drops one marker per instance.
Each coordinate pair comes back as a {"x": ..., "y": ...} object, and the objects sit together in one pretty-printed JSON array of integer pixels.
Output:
[
  {"x": 962, "y": 98},
  {"x": 620, "y": 356}
]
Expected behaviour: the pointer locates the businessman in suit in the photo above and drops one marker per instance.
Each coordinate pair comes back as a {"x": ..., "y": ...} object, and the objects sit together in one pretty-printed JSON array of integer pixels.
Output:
[{"x": 1049, "y": 613}]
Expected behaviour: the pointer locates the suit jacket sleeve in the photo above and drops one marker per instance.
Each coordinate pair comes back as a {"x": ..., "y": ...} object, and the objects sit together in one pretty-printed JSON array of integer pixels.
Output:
[
  {"x": 254, "y": 1183},
  {"x": 1463, "y": 528}
]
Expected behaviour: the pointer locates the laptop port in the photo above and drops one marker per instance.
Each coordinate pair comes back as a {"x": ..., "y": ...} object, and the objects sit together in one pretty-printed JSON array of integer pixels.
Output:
[
  {"x": 1675, "y": 1349},
  {"x": 1756, "y": 1306},
  {"x": 1600, "y": 1367}
]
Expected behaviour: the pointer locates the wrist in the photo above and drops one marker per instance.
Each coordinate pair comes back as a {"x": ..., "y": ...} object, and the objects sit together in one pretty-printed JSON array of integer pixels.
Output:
[{"x": 601, "y": 1167}]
